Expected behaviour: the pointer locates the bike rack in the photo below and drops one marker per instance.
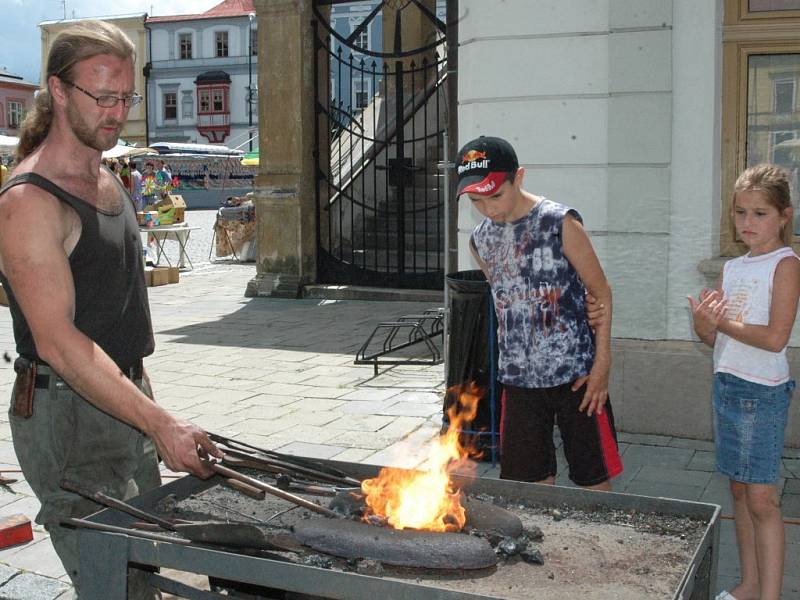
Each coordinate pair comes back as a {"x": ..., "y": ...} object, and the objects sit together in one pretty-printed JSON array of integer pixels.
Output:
[{"x": 422, "y": 328}]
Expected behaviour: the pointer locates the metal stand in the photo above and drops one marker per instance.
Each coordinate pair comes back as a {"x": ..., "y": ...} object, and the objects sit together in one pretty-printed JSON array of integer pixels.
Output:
[
  {"x": 446, "y": 166},
  {"x": 421, "y": 329},
  {"x": 227, "y": 239},
  {"x": 160, "y": 236}
]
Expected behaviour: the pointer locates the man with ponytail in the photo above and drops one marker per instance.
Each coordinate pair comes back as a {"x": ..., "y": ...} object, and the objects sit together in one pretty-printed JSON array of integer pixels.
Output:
[{"x": 71, "y": 263}]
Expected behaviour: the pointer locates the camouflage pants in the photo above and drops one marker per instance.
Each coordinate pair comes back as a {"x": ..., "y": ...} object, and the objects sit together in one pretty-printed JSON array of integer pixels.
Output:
[{"x": 68, "y": 438}]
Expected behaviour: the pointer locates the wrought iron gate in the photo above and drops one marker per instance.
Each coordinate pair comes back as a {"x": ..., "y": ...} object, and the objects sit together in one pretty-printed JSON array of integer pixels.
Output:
[{"x": 380, "y": 117}]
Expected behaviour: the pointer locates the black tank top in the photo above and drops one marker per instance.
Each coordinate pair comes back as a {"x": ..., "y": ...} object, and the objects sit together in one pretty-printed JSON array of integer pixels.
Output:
[{"x": 111, "y": 306}]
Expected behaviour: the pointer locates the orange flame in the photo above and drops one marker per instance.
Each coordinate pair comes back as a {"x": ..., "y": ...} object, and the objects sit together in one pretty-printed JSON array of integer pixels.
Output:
[{"x": 428, "y": 500}]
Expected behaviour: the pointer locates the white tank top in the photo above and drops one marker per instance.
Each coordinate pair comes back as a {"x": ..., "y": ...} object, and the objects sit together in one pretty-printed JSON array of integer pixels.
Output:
[{"x": 747, "y": 285}]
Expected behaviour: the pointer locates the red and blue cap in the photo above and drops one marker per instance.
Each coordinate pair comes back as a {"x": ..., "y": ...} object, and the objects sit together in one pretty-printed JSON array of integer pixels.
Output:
[{"x": 483, "y": 165}]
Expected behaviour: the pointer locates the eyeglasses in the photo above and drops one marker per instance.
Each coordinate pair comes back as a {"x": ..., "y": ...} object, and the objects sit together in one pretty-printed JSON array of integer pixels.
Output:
[{"x": 107, "y": 101}]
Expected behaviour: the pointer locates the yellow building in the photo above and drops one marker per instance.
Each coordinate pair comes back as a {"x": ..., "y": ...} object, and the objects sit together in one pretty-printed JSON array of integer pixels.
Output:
[{"x": 135, "y": 130}]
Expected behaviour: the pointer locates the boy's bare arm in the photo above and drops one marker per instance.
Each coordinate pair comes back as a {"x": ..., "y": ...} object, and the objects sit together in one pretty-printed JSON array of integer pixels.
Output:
[
  {"x": 474, "y": 250},
  {"x": 579, "y": 252}
]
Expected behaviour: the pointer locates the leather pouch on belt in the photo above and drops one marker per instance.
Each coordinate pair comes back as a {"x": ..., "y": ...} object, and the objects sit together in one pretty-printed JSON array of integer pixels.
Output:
[{"x": 24, "y": 388}]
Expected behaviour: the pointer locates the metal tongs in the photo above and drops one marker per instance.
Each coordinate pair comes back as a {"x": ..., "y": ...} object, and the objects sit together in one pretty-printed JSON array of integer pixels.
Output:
[
  {"x": 269, "y": 489},
  {"x": 275, "y": 462}
]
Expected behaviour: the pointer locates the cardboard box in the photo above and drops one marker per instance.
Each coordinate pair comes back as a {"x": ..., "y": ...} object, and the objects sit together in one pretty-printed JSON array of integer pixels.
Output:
[
  {"x": 171, "y": 209},
  {"x": 174, "y": 275},
  {"x": 159, "y": 276}
]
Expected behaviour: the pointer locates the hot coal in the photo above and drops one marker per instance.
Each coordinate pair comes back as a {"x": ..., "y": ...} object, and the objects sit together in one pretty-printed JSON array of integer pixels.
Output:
[
  {"x": 283, "y": 481},
  {"x": 511, "y": 546},
  {"x": 532, "y": 556},
  {"x": 534, "y": 533},
  {"x": 431, "y": 550},
  {"x": 315, "y": 560},
  {"x": 365, "y": 566},
  {"x": 348, "y": 504}
]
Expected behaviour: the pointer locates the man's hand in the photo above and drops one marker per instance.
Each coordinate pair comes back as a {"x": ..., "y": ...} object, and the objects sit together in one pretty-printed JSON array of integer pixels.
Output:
[
  {"x": 596, "y": 395},
  {"x": 181, "y": 445},
  {"x": 596, "y": 312}
]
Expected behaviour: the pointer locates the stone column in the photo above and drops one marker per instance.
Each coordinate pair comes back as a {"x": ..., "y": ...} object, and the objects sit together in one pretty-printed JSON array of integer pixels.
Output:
[
  {"x": 284, "y": 186},
  {"x": 416, "y": 31}
]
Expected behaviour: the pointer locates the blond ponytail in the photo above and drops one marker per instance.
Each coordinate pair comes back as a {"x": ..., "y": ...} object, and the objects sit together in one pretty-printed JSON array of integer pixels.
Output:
[{"x": 35, "y": 126}]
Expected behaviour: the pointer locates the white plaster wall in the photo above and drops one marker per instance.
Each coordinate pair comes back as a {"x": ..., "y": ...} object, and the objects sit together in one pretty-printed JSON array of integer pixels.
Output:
[
  {"x": 583, "y": 90},
  {"x": 695, "y": 182},
  {"x": 614, "y": 108},
  {"x": 159, "y": 44}
]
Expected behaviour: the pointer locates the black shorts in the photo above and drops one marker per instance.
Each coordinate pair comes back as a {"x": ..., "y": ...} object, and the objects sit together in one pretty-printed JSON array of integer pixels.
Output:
[{"x": 527, "y": 452}]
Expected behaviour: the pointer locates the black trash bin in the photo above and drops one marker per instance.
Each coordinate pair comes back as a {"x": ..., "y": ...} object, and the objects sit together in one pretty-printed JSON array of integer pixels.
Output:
[{"x": 472, "y": 356}]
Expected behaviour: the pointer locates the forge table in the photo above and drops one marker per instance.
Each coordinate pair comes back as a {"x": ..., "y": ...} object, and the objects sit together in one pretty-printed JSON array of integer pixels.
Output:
[
  {"x": 105, "y": 557},
  {"x": 179, "y": 233}
]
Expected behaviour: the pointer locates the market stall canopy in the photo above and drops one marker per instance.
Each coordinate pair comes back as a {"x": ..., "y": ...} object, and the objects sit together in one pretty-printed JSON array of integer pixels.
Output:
[
  {"x": 8, "y": 142},
  {"x": 250, "y": 159},
  {"x": 121, "y": 150},
  {"x": 792, "y": 146}
]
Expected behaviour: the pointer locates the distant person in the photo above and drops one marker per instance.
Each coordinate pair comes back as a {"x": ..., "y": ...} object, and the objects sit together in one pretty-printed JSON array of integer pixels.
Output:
[
  {"x": 150, "y": 194},
  {"x": 71, "y": 263},
  {"x": 748, "y": 320},
  {"x": 136, "y": 185},
  {"x": 540, "y": 263},
  {"x": 114, "y": 165},
  {"x": 125, "y": 173},
  {"x": 162, "y": 175}
]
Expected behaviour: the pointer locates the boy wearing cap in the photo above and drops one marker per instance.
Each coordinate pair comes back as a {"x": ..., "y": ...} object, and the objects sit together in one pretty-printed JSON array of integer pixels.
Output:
[{"x": 540, "y": 264}]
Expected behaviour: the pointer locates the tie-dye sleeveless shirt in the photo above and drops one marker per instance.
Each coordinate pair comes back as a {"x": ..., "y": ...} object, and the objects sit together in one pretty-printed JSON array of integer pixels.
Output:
[{"x": 543, "y": 335}]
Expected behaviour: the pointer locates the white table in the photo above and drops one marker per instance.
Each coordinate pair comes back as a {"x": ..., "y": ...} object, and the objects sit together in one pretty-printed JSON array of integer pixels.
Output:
[{"x": 180, "y": 232}]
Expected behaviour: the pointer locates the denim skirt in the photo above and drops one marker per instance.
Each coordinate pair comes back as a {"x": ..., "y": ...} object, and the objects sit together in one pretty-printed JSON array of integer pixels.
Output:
[{"x": 749, "y": 425}]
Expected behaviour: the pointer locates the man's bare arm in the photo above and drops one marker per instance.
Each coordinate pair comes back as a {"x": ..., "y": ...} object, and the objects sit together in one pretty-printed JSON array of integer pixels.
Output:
[{"x": 34, "y": 229}]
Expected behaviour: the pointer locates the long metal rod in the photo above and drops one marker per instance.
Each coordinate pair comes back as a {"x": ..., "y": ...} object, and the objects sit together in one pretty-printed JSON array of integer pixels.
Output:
[
  {"x": 307, "y": 465},
  {"x": 282, "y": 465},
  {"x": 158, "y": 537},
  {"x": 272, "y": 490},
  {"x": 446, "y": 200},
  {"x": 114, "y": 503}
]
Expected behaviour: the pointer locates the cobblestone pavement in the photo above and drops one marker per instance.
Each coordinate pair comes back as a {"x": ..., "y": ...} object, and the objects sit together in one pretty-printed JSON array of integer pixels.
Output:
[{"x": 280, "y": 374}]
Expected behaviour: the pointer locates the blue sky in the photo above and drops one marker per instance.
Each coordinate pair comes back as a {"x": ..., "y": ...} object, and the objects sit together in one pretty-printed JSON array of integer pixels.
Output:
[{"x": 20, "y": 41}]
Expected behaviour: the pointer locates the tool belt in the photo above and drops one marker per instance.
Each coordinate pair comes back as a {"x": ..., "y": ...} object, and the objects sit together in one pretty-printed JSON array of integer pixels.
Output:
[{"x": 33, "y": 375}]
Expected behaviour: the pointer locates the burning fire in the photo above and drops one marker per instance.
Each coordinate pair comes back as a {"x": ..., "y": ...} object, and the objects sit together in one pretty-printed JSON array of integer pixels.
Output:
[{"x": 428, "y": 500}]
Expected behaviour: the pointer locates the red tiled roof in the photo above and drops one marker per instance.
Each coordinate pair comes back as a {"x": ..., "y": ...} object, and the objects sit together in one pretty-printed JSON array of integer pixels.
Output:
[
  {"x": 226, "y": 8},
  {"x": 230, "y": 8}
]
